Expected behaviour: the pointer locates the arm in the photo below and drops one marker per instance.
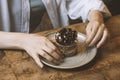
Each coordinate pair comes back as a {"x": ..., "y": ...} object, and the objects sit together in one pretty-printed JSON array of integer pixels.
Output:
[
  {"x": 33, "y": 44},
  {"x": 92, "y": 11},
  {"x": 11, "y": 40},
  {"x": 96, "y": 30}
]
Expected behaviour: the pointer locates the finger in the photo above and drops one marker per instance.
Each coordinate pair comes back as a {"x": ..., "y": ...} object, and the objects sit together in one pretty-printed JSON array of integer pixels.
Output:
[
  {"x": 104, "y": 38},
  {"x": 50, "y": 44},
  {"x": 51, "y": 51},
  {"x": 97, "y": 36},
  {"x": 60, "y": 53},
  {"x": 45, "y": 55},
  {"x": 88, "y": 30},
  {"x": 55, "y": 48},
  {"x": 91, "y": 35},
  {"x": 37, "y": 60}
]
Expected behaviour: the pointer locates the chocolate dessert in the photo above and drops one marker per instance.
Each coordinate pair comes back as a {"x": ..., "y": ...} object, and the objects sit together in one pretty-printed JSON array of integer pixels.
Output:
[{"x": 66, "y": 41}]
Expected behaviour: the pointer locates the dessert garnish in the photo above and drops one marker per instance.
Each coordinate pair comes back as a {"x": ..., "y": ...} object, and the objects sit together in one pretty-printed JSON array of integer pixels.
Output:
[{"x": 66, "y": 36}]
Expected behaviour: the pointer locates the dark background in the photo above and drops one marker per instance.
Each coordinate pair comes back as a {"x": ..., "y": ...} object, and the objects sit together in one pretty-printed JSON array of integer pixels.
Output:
[{"x": 113, "y": 6}]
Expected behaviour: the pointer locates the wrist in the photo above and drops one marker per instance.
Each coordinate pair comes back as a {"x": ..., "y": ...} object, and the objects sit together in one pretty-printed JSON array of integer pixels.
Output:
[
  {"x": 95, "y": 15},
  {"x": 20, "y": 41}
]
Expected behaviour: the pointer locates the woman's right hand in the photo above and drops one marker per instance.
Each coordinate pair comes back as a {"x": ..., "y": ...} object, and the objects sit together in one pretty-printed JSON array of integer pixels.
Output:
[{"x": 36, "y": 45}]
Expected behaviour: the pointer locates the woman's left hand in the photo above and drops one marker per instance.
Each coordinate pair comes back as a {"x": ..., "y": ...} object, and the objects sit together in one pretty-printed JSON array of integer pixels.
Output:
[{"x": 97, "y": 34}]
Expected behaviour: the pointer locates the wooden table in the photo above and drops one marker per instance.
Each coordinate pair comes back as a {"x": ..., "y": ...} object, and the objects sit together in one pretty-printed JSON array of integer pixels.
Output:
[{"x": 18, "y": 65}]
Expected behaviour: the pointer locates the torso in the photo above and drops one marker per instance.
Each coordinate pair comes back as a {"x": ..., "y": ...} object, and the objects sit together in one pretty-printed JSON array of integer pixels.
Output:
[{"x": 37, "y": 10}]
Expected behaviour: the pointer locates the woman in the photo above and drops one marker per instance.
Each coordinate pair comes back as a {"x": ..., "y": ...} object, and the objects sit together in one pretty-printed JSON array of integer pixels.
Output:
[{"x": 17, "y": 20}]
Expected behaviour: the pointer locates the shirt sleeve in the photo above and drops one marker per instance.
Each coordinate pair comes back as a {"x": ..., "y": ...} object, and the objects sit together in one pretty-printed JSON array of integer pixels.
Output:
[{"x": 81, "y": 8}]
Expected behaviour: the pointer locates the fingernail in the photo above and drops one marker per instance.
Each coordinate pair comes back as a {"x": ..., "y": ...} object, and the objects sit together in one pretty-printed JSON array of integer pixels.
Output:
[
  {"x": 62, "y": 56},
  {"x": 89, "y": 45},
  {"x": 41, "y": 66},
  {"x": 98, "y": 46},
  {"x": 56, "y": 62},
  {"x": 61, "y": 60}
]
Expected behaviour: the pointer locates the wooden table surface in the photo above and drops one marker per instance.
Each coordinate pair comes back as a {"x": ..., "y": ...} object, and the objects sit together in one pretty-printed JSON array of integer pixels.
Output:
[{"x": 18, "y": 65}]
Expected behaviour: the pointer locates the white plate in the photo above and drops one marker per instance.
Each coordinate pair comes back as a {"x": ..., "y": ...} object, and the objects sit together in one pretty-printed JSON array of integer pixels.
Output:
[{"x": 82, "y": 57}]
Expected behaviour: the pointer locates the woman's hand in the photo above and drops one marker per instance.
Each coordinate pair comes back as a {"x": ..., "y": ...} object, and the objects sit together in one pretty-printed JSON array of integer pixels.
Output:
[
  {"x": 37, "y": 45},
  {"x": 97, "y": 33}
]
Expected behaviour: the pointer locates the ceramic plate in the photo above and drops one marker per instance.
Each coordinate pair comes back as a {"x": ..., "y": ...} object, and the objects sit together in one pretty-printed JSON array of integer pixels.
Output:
[{"x": 84, "y": 55}]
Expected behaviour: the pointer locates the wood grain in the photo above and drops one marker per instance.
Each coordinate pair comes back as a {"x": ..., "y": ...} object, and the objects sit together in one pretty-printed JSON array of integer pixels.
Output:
[{"x": 18, "y": 65}]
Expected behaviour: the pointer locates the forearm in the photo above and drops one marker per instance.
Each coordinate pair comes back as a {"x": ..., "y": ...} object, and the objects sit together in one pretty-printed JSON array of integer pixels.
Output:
[
  {"x": 95, "y": 15},
  {"x": 11, "y": 40}
]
